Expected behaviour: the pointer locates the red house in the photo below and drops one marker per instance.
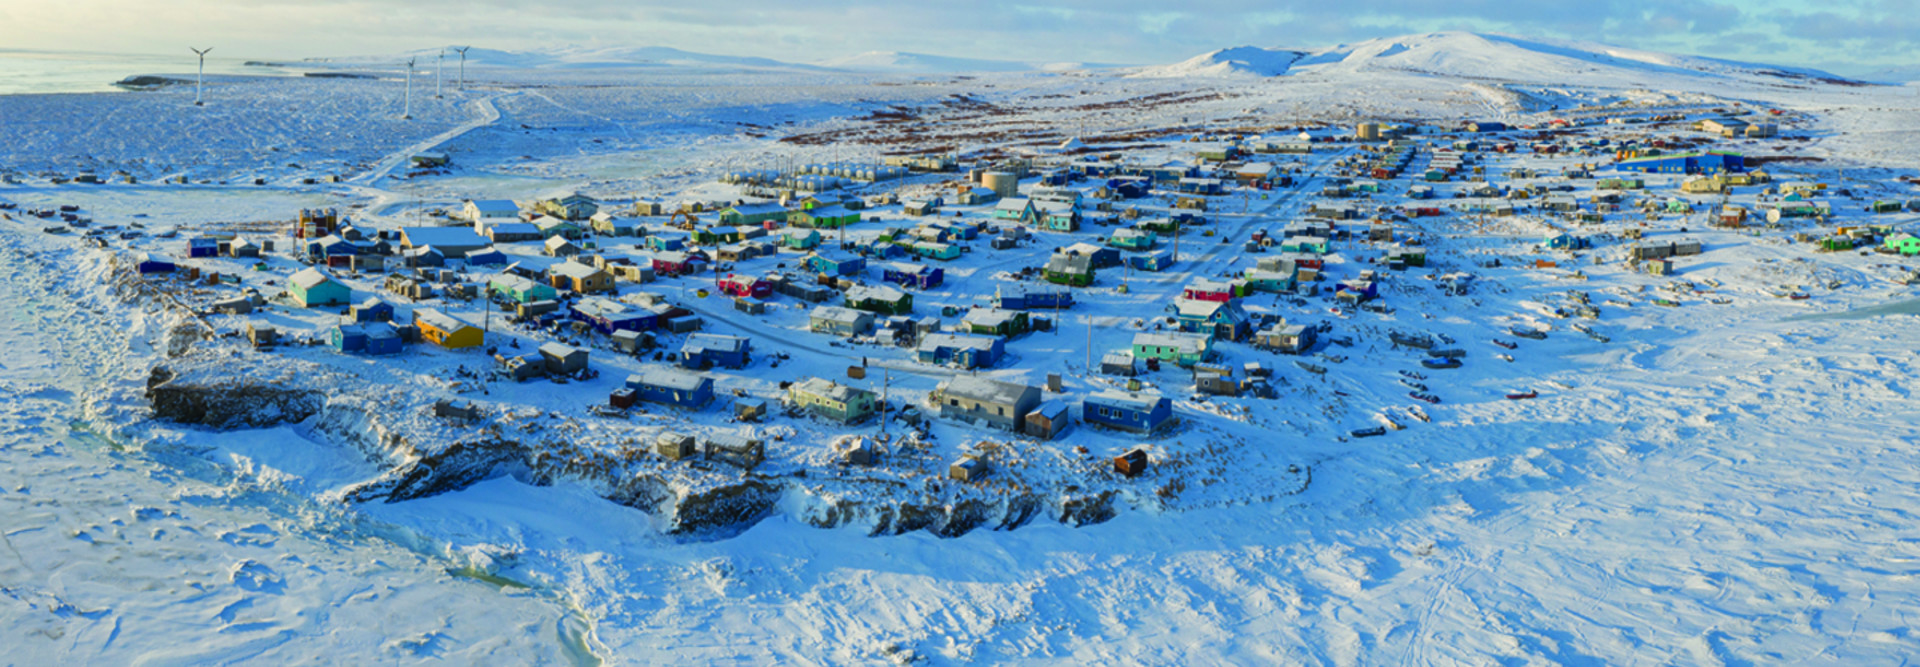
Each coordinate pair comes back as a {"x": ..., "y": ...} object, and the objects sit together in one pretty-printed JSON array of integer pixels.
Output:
[
  {"x": 672, "y": 263},
  {"x": 1210, "y": 290},
  {"x": 745, "y": 286}
]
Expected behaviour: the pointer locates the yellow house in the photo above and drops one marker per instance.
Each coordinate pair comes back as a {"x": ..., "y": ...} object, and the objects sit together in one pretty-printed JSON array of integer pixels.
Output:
[{"x": 446, "y": 330}]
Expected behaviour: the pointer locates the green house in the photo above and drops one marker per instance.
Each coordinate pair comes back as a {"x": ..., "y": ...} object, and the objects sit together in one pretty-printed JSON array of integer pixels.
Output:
[
  {"x": 995, "y": 322},
  {"x": 753, "y": 214},
  {"x": 1309, "y": 244},
  {"x": 312, "y": 288},
  {"x": 1069, "y": 269},
  {"x": 1133, "y": 239},
  {"x": 520, "y": 289},
  {"x": 801, "y": 239},
  {"x": 879, "y": 299},
  {"x": 832, "y": 400},
  {"x": 716, "y": 236},
  {"x": 941, "y": 251},
  {"x": 1185, "y": 349},
  {"x": 1905, "y": 244},
  {"x": 824, "y": 217}
]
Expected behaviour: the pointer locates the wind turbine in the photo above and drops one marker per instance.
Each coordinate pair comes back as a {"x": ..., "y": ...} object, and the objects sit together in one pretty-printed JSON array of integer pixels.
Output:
[
  {"x": 200, "y": 78},
  {"x": 407, "y": 113},
  {"x": 463, "y": 66},
  {"x": 437, "y": 66}
]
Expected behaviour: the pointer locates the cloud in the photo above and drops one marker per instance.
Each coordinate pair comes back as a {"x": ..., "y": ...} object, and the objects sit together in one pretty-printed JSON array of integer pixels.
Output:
[{"x": 1122, "y": 31}]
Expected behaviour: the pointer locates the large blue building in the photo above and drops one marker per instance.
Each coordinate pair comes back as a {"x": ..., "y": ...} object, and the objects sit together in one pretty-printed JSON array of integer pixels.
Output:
[
  {"x": 1710, "y": 162},
  {"x": 1128, "y": 411}
]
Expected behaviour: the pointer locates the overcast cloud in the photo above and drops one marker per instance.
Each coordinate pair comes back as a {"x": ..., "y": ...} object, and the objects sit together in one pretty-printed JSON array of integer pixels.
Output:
[{"x": 1851, "y": 36}]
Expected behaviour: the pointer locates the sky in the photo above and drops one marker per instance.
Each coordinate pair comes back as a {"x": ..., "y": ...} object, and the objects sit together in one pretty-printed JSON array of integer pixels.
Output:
[{"x": 1852, "y": 37}]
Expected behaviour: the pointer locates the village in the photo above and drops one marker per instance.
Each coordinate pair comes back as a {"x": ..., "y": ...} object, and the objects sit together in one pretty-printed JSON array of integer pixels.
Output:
[{"x": 1068, "y": 317}]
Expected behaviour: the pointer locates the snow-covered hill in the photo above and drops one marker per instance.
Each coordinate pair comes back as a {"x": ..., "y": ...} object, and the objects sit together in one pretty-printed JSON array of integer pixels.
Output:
[
  {"x": 572, "y": 57},
  {"x": 1235, "y": 61},
  {"x": 1470, "y": 55},
  {"x": 897, "y": 61}
]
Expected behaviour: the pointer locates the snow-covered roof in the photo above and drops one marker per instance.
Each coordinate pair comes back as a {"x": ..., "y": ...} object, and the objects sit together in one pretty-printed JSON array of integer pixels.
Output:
[
  {"x": 444, "y": 237},
  {"x": 558, "y": 350},
  {"x": 494, "y": 206},
  {"x": 1135, "y": 400},
  {"x": 440, "y": 320},
  {"x": 574, "y": 270},
  {"x": 838, "y": 314},
  {"x": 667, "y": 378},
  {"x": 308, "y": 278},
  {"x": 859, "y": 293},
  {"x": 985, "y": 390}
]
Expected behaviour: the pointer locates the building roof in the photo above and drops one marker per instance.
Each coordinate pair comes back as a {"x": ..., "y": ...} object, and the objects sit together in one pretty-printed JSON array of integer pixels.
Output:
[
  {"x": 989, "y": 317},
  {"x": 830, "y": 390},
  {"x": 1145, "y": 401},
  {"x": 494, "y": 206},
  {"x": 1185, "y": 342},
  {"x": 763, "y": 208},
  {"x": 440, "y": 320},
  {"x": 1051, "y": 409},
  {"x": 668, "y": 378},
  {"x": 309, "y": 278},
  {"x": 935, "y": 341},
  {"x": 1070, "y": 263},
  {"x": 860, "y": 293},
  {"x": 986, "y": 390},
  {"x": 574, "y": 270},
  {"x": 838, "y": 314},
  {"x": 445, "y": 237},
  {"x": 716, "y": 342},
  {"x": 520, "y": 228},
  {"x": 559, "y": 350},
  {"x": 834, "y": 211}
]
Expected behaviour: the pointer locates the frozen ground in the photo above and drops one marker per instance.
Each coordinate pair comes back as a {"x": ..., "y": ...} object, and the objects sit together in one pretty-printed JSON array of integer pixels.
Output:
[{"x": 1719, "y": 484}]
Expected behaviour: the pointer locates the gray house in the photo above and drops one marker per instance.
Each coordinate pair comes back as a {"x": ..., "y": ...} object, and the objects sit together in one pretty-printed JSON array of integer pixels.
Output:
[
  {"x": 1002, "y": 405},
  {"x": 840, "y": 321}
]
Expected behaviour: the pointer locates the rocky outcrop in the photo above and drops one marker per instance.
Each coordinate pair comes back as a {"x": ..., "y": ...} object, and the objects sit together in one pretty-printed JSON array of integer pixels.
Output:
[{"x": 228, "y": 404}]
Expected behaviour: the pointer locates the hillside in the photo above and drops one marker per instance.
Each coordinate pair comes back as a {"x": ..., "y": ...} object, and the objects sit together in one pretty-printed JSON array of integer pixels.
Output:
[{"x": 898, "y": 61}]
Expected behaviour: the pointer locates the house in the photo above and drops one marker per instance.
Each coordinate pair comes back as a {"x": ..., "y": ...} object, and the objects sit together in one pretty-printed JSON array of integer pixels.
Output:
[
  {"x": 487, "y": 256},
  {"x": 1157, "y": 260},
  {"x": 836, "y": 263},
  {"x": 580, "y": 278},
  {"x": 840, "y": 321},
  {"x": 832, "y": 400},
  {"x": 673, "y": 263},
  {"x": 450, "y": 241},
  {"x": 1221, "y": 320},
  {"x": 1135, "y": 412},
  {"x": 1709, "y": 162},
  {"x": 1208, "y": 289},
  {"x": 1001, "y": 405},
  {"x": 745, "y": 286},
  {"x": 520, "y": 289},
  {"x": 484, "y": 211},
  {"x": 1565, "y": 241},
  {"x": 879, "y": 299},
  {"x": 800, "y": 239},
  {"x": 962, "y": 350},
  {"x": 922, "y": 207},
  {"x": 1058, "y": 216},
  {"x": 1307, "y": 244},
  {"x": 1288, "y": 338},
  {"x": 706, "y": 350},
  {"x": 664, "y": 243},
  {"x": 1119, "y": 363},
  {"x": 1903, "y": 243},
  {"x": 717, "y": 235},
  {"x": 563, "y": 359},
  {"x": 1074, "y": 270},
  {"x": 574, "y": 206},
  {"x": 823, "y": 217},
  {"x": 372, "y": 309},
  {"x": 521, "y": 367},
  {"x": 608, "y": 316},
  {"x": 310, "y": 287},
  {"x": 1033, "y": 298},
  {"x": 1016, "y": 209},
  {"x": 1185, "y": 349},
  {"x": 1262, "y": 280},
  {"x": 669, "y": 386},
  {"x": 1133, "y": 239},
  {"x": 920, "y": 276},
  {"x": 512, "y": 232},
  {"x": 754, "y": 214},
  {"x": 429, "y": 159},
  {"x": 605, "y": 224},
  {"x": 446, "y": 330},
  {"x": 1048, "y": 420},
  {"x": 147, "y": 262},
  {"x": 939, "y": 251},
  {"x": 1101, "y": 256},
  {"x": 995, "y": 322}
]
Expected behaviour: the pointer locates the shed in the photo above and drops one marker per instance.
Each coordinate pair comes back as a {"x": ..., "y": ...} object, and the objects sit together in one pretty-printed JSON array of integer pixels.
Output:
[
  {"x": 563, "y": 359},
  {"x": 968, "y": 469},
  {"x": 673, "y": 446},
  {"x": 1048, "y": 420}
]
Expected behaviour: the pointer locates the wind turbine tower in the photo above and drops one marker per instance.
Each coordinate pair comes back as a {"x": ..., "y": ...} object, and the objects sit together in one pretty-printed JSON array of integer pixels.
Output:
[
  {"x": 438, "y": 65},
  {"x": 200, "y": 79},
  {"x": 463, "y": 66},
  {"x": 407, "y": 112}
]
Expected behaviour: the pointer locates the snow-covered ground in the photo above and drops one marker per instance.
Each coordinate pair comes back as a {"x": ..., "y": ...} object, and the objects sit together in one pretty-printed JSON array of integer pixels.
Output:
[{"x": 1722, "y": 482}]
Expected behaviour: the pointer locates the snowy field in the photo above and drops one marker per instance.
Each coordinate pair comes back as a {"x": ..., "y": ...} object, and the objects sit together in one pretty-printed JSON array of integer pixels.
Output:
[{"x": 1727, "y": 481}]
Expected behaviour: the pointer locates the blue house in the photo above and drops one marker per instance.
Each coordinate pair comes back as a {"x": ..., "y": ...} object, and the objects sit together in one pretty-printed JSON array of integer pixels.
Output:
[
  {"x": 203, "y": 247},
  {"x": 914, "y": 275},
  {"x": 836, "y": 263},
  {"x": 708, "y": 350},
  {"x": 151, "y": 263},
  {"x": 1565, "y": 241},
  {"x": 486, "y": 257},
  {"x": 667, "y": 386},
  {"x": 1044, "y": 298},
  {"x": 963, "y": 350},
  {"x": 1221, "y": 320},
  {"x": 1128, "y": 411},
  {"x": 1157, "y": 260},
  {"x": 608, "y": 316},
  {"x": 664, "y": 244},
  {"x": 1709, "y": 162},
  {"x": 378, "y": 338},
  {"x": 372, "y": 309}
]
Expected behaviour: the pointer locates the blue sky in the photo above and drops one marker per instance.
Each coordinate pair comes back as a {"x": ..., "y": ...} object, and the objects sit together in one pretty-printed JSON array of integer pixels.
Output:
[{"x": 1846, "y": 36}]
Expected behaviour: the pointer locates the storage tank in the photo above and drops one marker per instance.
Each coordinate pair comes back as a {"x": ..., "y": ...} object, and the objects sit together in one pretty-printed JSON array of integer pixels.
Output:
[
  {"x": 1367, "y": 132},
  {"x": 1002, "y": 182}
]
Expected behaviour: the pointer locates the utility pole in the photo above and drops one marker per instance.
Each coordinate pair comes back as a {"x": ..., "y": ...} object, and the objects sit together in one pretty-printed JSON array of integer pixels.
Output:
[
  {"x": 463, "y": 66},
  {"x": 439, "y": 64},
  {"x": 201, "y": 78},
  {"x": 407, "y": 112},
  {"x": 886, "y": 382}
]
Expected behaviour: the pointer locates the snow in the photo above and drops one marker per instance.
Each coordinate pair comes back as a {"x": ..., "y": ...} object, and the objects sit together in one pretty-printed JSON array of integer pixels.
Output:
[{"x": 1720, "y": 483}]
